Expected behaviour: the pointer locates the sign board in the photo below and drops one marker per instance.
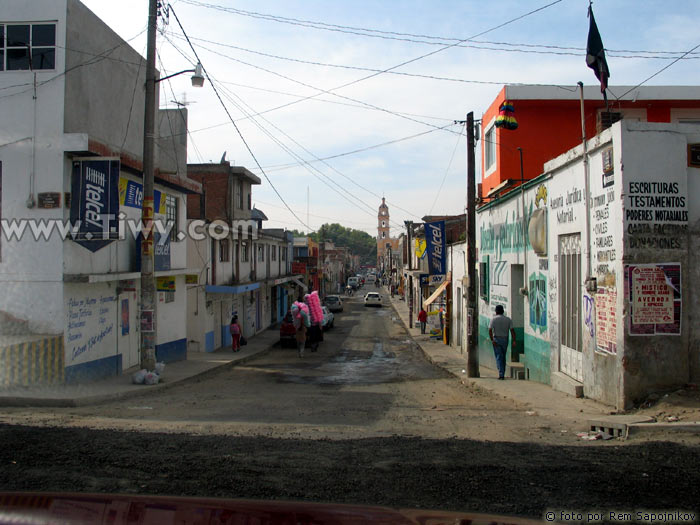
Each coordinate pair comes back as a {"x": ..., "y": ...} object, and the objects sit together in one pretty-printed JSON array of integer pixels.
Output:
[
  {"x": 424, "y": 279},
  {"x": 191, "y": 278},
  {"x": 165, "y": 284},
  {"x": 95, "y": 201},
  {"x": 161, "y": 249},
  {"x": 435, "y": 247},
  {"x": 49, "y": 200},
  {"x": 298, "y": 268},
  {"x": 434, "y": 280},
  {"x": 654, "y": 294},
  {"x": 694, "y": 155},
  {"x": 131, "y": 194},
  {"x": 127, "y": 285}
]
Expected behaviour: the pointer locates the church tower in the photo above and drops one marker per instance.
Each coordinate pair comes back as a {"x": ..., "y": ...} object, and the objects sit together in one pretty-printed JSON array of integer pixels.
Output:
[{"x": 383, "y": 236}]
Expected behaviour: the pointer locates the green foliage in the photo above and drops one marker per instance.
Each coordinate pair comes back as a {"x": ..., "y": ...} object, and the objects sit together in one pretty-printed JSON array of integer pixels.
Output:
[{"x": 359, "y": 242}]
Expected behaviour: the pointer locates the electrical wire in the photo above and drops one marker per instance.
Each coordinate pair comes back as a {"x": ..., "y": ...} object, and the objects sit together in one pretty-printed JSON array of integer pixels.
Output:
[
  {"x": 449, "y": 165},
  {"x": 411, "y": 37},
  {"x": 250, "y": 151}
]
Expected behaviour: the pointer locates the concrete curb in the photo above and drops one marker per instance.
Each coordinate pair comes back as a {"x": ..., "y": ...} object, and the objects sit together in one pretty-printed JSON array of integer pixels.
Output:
[{"x": 97, "y": 399}]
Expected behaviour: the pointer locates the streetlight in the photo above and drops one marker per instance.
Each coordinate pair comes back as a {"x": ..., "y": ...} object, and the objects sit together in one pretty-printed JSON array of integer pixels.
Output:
[{"x": 148, "y": 279}]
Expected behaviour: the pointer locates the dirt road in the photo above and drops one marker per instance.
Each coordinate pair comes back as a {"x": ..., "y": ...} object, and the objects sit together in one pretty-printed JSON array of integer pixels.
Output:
[{"x": 364, "y": 420}]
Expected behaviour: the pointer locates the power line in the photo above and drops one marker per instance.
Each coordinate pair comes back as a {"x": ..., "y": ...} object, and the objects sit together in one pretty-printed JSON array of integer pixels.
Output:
[
  {"x": 412, "y": 37},
  {"x": 250, "y": 151},
  {"x": 655, "y": 74},
  {"x": 449, "y": 165}
]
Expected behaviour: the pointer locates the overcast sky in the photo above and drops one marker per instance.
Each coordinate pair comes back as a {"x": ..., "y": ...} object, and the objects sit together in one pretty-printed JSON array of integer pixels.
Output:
[{"x": 260, "y": 54}]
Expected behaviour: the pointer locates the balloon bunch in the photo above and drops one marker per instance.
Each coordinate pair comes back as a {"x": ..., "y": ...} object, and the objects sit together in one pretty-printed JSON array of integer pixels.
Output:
[
  {"x": 300, "y": 314},
  {"x": 314, "y": 303}
]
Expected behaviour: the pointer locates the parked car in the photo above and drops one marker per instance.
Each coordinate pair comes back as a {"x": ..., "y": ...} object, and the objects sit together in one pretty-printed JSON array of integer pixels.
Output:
[
  {"x": 373, "y": 299},
  {"x": 328, "y": 318},
  {"x": 353, "y": 282},
  {"x": 371, "y": 279},
  {"x": 287, "y": 331}
]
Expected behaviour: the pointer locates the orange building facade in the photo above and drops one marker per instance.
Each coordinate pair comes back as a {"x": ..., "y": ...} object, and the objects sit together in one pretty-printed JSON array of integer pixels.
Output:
[{"x": 549, "y": 123}]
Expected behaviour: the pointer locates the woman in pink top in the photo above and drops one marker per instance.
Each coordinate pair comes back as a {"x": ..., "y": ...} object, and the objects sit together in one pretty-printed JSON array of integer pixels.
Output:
[{"x": 235, "y": 329}]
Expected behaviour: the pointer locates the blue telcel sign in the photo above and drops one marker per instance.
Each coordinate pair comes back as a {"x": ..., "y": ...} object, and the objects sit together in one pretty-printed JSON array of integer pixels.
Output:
[
  {"x": 95, "y": 202},
  {"x": 435, "y": 249}
]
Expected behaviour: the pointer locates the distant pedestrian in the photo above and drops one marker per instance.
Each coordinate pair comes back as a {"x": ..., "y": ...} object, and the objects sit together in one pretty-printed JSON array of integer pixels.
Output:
[
  {"x": 499, "y": 328},
  {"x": 422, "y": 319},
  {"x": 235, "y": 330},
  {"x": 301, "y": 338}
]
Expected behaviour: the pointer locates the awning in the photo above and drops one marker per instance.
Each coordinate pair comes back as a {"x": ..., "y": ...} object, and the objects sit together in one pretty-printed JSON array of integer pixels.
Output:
[
  {"x": 436, "y": 293},
  {"x": 304, "y": 287},
  {"x": 211, "y": 288}
]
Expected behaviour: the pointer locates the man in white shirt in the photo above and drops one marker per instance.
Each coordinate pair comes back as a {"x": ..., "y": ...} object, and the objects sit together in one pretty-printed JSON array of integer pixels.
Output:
[{"x": 499, "y": 328}]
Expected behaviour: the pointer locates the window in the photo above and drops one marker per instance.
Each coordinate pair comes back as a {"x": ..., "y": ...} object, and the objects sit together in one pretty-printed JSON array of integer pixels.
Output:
[
  {"x": 383, "y": 235},
  {"x": 283, "y": 254},
  {"x": 168, "y": 297},
  {"x": 240, "y": 194},
  {"x": 171, "y": 215},
  {"x": 27, "y": 47},
  {"x": 383, "y": 224},
  {"x": 273, "y": 253},
  {"x": 261, "y": 252},
  {"x": 484, "y": 279},
  {"x": 490, "y": 148},
  {"x": 250, "y": 201},
  {"x": 224, "y": 251},
  {"x": 244, "y": 252}
]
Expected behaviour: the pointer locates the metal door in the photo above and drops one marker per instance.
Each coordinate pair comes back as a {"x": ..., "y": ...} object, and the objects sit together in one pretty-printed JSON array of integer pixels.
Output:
[
  {"x": 127, "y": 336},
  {"x": 570, "y": 331},
  {"x": 517, "y": 309}
]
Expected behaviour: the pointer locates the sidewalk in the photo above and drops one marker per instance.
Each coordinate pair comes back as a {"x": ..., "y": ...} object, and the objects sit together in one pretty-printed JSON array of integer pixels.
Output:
[
  {"x": 538, "y": 397},
  {"x": 197, "y": 366}
]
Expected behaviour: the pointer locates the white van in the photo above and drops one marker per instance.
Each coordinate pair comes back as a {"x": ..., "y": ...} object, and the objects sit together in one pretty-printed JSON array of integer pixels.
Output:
[
  {"x": 353, "y": 282},
  {"x": 371, "y": 279}
]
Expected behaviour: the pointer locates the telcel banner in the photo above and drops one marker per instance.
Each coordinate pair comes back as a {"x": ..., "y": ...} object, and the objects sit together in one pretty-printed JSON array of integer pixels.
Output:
[
  {"x": 435, "y": 241},
  {"x": 95, "y": 201}
]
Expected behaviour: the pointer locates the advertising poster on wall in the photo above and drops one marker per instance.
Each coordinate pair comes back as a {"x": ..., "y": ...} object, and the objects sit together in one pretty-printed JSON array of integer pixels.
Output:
[
  {"x": 125, "y": 316},
  {"x": 654, "y": 294}
]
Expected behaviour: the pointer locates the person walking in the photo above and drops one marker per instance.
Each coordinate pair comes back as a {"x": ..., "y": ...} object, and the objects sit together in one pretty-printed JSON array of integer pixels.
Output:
[
  {"x": 422, "y": 319},
  {"x": 499, "y": 328},
  {"x": 301, "y": 338},
  {"x": 235, "y": 330}
]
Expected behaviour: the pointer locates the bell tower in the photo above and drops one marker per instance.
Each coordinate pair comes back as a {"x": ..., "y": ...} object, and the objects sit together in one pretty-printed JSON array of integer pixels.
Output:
[{"x": 383, "y": 236}]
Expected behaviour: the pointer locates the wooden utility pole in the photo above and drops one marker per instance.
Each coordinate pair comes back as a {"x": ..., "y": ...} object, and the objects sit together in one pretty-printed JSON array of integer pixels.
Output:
[
  {"x": 148, "y": 279},
  {"x": 472, "y": 304}
]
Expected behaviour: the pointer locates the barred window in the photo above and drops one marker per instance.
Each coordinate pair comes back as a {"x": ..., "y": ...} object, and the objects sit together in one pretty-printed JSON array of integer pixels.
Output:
[
  {"x": 171, "y": 215},
  {"x": 224, "y": 251}
]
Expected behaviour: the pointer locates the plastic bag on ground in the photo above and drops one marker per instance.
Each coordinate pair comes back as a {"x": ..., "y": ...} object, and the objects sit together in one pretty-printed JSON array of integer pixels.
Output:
[
  {"x": 159, "y": 368},
  {"x": 151, "y": 378},
  {"x": 139, "y": 377}
]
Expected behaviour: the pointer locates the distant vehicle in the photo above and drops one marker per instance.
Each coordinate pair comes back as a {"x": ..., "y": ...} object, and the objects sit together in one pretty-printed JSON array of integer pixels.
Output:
[
  {"x": 354, "y": 282},
  {"x": 371, "y": 279},
  {"x": 328, "y": 319},
  {"x": 287, "y": 331},
  {"x": 334, "y": 303},
  {"x": 373, "y": 299}
]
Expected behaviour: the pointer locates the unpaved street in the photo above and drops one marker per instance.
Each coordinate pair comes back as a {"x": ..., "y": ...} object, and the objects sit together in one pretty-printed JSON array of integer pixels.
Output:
[{"x": 365, "y": 420}]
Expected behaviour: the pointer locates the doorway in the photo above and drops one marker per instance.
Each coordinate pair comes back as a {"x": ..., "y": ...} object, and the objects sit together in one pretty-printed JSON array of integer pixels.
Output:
[
  {"x": 517, "y": 314},
  {"x": 570, "y": 333}
]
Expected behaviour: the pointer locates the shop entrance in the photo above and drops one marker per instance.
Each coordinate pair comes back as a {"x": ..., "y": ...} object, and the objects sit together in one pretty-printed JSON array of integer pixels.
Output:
[{"x": 570, "y": 336}]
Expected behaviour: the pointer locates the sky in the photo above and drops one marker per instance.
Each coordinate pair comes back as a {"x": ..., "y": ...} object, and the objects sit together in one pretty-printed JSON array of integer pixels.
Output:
[{"x": 329, "y": 132}]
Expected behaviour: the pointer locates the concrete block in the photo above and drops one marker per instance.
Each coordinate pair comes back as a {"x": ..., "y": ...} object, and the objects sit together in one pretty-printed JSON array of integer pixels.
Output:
[{"x": 563, "y": 383}]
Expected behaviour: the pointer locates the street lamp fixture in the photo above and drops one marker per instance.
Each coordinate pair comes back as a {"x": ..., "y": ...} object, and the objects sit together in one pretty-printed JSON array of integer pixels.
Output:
[{"x": 197, "y": 78}]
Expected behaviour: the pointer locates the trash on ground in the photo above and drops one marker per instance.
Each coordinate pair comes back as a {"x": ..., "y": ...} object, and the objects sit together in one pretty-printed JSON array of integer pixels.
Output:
[
  {"x": 139, "y": 377},
  {"x": 530, "y": 412},
  {"x": 140, "y": 408},
  {"x": 672, "y": 419},
  {"x": 151, "y": 378}
]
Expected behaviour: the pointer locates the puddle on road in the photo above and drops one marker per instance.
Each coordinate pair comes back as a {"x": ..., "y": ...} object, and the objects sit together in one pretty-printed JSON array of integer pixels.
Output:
[{"x": 360, "y": 367}]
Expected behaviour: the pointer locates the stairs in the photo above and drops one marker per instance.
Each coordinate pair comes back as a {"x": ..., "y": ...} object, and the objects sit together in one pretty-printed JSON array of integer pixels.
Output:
[{"x": 515, "y": 370}]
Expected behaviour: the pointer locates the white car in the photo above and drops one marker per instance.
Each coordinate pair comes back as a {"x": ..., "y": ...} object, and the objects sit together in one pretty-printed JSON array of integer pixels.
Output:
[
  {"x": 328, "y": 318},
  {"x": 373, "y": 299}
]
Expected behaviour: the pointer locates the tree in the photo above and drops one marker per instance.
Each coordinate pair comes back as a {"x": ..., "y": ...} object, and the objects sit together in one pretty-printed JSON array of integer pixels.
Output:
[{"x": 357, "y": 241}]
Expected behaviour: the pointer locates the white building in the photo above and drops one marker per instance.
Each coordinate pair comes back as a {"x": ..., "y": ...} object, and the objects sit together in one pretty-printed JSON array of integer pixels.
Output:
[
  {"x": 239, "y": 268},
  {"x": 68, "y": 310},
  {"x": 602, "y": 290}
]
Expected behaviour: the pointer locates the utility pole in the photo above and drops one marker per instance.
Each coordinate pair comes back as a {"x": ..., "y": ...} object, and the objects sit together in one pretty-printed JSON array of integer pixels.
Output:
[
  {"x": 472, "y": 305},
  {"x": 148, "y": 280},
  {"x": 409, "y": 229}
]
